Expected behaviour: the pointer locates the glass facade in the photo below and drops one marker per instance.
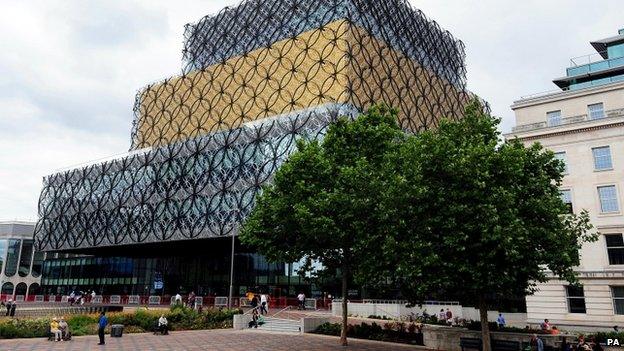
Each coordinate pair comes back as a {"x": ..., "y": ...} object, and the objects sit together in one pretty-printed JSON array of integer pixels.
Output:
[
  {"x": 205, "y": 271},
  {"x": 25, "y": 258},
  {"x": 37, "y": 263},
  {"x": 13, "y": 249}
]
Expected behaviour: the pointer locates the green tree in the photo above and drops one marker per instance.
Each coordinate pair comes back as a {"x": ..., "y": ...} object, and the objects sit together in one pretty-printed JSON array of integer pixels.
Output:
[
  {"x": 468, "y": 214},
  {"x": 319, "y": 206}
]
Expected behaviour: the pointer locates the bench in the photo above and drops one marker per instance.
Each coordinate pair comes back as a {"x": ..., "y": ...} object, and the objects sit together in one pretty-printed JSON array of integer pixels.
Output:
[
  {"x": 505, "y": 345},
  {"x": 470, "y": 343}
]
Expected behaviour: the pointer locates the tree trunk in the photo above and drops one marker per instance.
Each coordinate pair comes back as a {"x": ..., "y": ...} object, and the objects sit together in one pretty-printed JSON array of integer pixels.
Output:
[
  {"x": 485, "y": 330},
  {"x": 343, "y": 333}
]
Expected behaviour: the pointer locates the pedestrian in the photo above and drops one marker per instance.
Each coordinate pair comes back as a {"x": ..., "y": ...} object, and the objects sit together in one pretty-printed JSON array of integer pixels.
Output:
[
  {"x": 102, "y": 323},
  {"x": 191, "y": 300},
  {"x": 442, "y": 315},
  {"x": 8, "y": 306},
  {"x": 449, "y": 316},
  {"x": 565, "y": 345},
  {"x": 537, "y": 343},
  {"x": 546, "y": 326},
  {"x": 178, "y": 298},
  {"x": 264, "y": 304},
  {"x": 254, "y": 302},
  {"x": 501, "y": 321},
  {"x": 301, "y": 299},
  {"x": 92, "y": 296},
  {"x": 13, "y": 307},
  {"x": 582, "y": 345},
  {"x": 254, "y": 319},
  {"x": 595, "y": 345},
  {"x": 163, "y": 325}
]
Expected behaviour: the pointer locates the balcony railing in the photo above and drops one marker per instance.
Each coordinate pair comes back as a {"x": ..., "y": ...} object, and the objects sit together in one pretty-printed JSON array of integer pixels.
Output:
[{"x": 568, "y": 120}]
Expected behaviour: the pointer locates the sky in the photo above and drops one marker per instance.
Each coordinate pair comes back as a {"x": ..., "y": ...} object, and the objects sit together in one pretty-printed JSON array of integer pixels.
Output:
[{"x": 69, "y": 70}]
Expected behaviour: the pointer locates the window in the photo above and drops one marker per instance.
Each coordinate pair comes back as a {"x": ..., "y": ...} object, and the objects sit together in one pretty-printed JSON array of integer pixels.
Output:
[
  {"x": 554, "y": 118},
  {"x": 617, "y": 292},
  {"x": 566, "y": 197},
  {"x": 602, "y": 158},
  {"x": 576, "y": 299},
  {"x": 608, "y": 199},
  {"x": 561, "y": 156},
  {"x": 615, "y": 248},
  {"x": 595, "y": 111}
]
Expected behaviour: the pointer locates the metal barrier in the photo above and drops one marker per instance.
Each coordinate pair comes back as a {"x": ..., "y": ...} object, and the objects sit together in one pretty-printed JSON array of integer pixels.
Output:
[
  {"x": 64, "y": 298},
  {"x": 116, "y": 299},
  {"x": 153, "y": 300},
  {"x": 19, "y": 298},
  {"x": 221, "y": 301},
  {"x": 134, "y": 300},
  {"x": 310, "y": 304},
  {"x": 97, "y": 299},
  {"x": 52, "y": 298},
  {"x": 39, "y": 298},
  {"x": 244, "y": 302},
  {"x": 199, "y": 301}
]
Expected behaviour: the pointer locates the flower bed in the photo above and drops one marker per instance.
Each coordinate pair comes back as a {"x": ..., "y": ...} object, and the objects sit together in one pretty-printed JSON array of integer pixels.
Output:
[
  {"x": 179, "y": 318},
  {"x": 406, "y": 333}
]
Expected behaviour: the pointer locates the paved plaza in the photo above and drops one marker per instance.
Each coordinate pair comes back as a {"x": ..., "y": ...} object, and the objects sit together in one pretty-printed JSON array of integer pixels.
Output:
[{"x": 226, "y": 339}]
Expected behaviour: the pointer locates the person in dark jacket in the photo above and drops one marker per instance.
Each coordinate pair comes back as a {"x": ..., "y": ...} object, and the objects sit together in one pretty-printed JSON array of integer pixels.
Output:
[{"x": 102, "y": 322}]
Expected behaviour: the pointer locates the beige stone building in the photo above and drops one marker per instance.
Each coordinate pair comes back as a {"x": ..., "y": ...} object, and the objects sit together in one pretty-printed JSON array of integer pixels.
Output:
[{"x": 583, "y": 124}]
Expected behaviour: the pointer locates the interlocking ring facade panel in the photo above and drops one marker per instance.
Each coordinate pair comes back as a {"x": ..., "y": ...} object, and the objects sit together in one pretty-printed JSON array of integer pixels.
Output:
[{"x": 256, "y": 78}]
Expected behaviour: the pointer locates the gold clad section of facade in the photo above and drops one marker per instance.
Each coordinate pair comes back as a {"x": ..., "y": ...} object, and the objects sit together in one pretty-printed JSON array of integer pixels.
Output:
[{"x": 338, "y": 63}]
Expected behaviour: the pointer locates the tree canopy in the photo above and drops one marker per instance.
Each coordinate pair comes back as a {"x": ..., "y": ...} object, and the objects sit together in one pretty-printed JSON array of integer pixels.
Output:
[
  {"x": 321, "y": 202},
  {"x": 446, "y": 210}
]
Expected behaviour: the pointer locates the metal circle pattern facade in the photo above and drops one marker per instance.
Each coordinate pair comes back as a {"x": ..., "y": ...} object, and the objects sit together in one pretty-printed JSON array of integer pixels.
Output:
[{"x": 256, "y": 78}]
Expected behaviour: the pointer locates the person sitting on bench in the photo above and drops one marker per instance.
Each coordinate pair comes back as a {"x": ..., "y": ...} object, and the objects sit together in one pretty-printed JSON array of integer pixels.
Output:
[
  {"x": 162, "y": 325},
  {"x": 54, "y": 329},
  {"x": 64, "y": 327}
]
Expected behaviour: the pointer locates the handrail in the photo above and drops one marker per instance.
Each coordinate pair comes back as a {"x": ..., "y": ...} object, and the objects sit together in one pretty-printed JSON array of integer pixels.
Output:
[{"x": 280, "y": 311}]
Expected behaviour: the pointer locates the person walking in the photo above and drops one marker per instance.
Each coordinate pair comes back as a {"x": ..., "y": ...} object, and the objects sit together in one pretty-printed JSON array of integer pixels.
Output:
[
  {"x": 301, "y": 299},
  {"x": 536, "y": 343},
  {"x": 501, "y": 321},
  {"x": 178, "y": 298},
  {"x": 264, "y": 304},
  {"x": 13, "y": 308},
  {"x": 92, "y": 296},
  {"x": 102, "y": 323},
  {"x": 8, "y": 306}
]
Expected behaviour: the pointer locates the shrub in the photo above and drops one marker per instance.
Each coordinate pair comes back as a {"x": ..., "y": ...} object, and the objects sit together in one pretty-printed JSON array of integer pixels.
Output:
[{"x": 141, "y": 320}]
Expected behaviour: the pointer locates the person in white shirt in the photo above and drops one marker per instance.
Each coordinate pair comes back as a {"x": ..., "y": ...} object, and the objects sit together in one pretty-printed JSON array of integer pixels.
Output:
[
  {"x": 264, "y": 304},
  {"x": 162, "y": 325},
  {"x": 92, "y": 296},
  {"x": 301, "y": 298},
  {"x": 178, "y": 298}
]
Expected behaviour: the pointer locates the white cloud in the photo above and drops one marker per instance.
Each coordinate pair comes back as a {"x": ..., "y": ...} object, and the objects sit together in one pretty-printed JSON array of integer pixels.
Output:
[{"x": 69, "y": 70}]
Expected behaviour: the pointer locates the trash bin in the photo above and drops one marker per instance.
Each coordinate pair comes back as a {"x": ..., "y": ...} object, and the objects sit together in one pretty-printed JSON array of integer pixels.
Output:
[{"x": 116, "y": 330}]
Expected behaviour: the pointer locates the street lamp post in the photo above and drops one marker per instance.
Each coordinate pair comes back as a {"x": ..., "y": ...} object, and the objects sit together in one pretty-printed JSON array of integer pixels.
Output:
[{"x": 229, "y": 304}]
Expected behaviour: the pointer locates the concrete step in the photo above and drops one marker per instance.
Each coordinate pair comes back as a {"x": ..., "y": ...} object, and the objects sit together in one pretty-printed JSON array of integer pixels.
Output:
[{"x": 280, "y": 325}]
